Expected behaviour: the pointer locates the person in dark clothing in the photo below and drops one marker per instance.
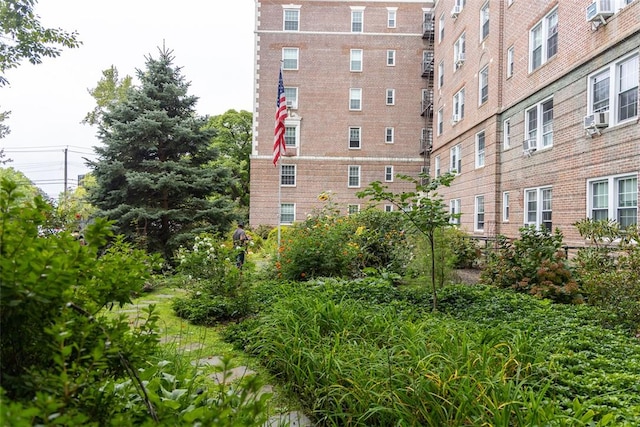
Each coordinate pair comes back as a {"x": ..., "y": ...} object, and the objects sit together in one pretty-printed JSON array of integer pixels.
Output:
[{"x": 240, "y": 240}]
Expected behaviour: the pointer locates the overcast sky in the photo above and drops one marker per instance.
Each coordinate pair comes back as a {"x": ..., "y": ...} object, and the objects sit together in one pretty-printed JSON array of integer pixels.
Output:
[{"x": 212, "y": 40}]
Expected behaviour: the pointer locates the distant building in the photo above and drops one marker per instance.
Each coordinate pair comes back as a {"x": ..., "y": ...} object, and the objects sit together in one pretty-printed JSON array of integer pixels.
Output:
[{"x": 533, "y": 104}]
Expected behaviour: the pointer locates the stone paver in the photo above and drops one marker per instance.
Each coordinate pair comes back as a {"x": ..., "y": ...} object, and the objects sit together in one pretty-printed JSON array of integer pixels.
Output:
[
  {"x": 291, "y": 419},
  {"x": 231, "y": 375},
  {"x": 209, "y": 361}
]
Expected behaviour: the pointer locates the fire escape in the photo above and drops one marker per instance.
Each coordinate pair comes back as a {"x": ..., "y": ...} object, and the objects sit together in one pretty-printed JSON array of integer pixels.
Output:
[{"x": 426, "y": 139}]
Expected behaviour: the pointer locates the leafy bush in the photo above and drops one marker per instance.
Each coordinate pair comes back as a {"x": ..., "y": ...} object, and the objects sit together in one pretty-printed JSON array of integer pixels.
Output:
[
  {"x": 609, "y": 270},
  {"x": 465, "y": 250},
  {"x": 534, "y": 264}
]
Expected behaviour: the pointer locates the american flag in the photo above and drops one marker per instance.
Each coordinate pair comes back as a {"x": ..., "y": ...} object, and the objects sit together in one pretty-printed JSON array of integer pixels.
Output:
[{"x": 279, "y": 146}]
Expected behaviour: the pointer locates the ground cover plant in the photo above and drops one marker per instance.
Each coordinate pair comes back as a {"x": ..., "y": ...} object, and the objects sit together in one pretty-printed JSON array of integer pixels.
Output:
[{"x": 489, "y": 357}]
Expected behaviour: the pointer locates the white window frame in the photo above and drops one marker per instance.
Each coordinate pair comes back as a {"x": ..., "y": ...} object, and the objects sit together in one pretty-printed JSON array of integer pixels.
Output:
[
  {"x": 505, "y": 206},
  {"x": 388, "y": 173},
  {"x": 391, "y": 58},
  {"x": 355, "y": 95},
  {"x": 481, "y": 147},
  {"x": 483, "y": 85},
  {"x": 392, "y": 17},
  {"x": 484, "y": 21},
  {"x": 459, "y": 48},
  {"x": 455, "y": 159},
  {"x": 357, "y": 19},
  {"x": 540, "y": 37},
  {"x": 479, "y": 213},
  {"x": 355, "y": 62},
  {"x": 292, "y": 131},
  {"x": 458, "y": 104},
  {"x": 353, "y": 209},
  {"x": 292, "y": 175},
  {"x": 291, "y": 95},
  {"x": 389, "y": 135},
  {"x": 455, "y": 207},
  {"x": 542, "y": 129},
  {"x": 440, "y": 121},
  {"x": 293, "y": 10},
  {"x": 510, "y": 61},
  {"x": 536, "y": 204},
  {"x": 612, "y": 198},
  {"x": 291, "y": 211},
  {"x": 353, "y": 176},
  {"x": 388, "y": 208},
  {"x": 355, "y": 131},
  {"x": 290, "y": 54},
  {"x": 614, "y": 74},
  {"x": 506, "y": 134},
  {"x": 441, "y": 27},
  {"x": 390, "y": 98},
  {"x": 441, "y": 74},
  {"x": 436, "y": 166}
]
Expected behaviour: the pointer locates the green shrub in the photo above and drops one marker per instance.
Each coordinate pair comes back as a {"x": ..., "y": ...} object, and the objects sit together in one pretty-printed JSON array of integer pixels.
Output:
[{"x": 535, "y": 264}]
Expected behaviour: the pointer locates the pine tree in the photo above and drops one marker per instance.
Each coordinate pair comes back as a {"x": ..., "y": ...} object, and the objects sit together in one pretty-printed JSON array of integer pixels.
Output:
[{"x": 154, "y": 173}]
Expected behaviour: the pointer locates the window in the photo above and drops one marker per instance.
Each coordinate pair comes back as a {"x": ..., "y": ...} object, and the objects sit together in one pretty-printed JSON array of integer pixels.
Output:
[
  {"x": 391, "y": 17},
  {"x": 506, "y": 129},
  {"x": 614, "y": 198},
  {"x": 543, "y": 40},
  {"x": 459, "y": 52},
  {"x": 510, "y": 62},
  {"x": 391, "y": 97},
  {"x": 458, "y": 106},
  {"x": 619, "y": 99},
  {"x": 357, "y": 19},
  {"x": 440, "y": 121},
  {"x": 484, "y": 21},
  {"x": 391, "y": 58},
  {"x": 291, "y": 135},
  {"x": 355, "y": 63},
  {"x": 291, "y": 94},
  {"x": 354, "y": 137},
  {"x": 388, "y": 135},
  {"x": 454, "y": 211},
  {"x": 287, "y": 213},
  {"x": 479, "y": 214},
  {"x": 441, "y": 28},
  {"x": 483, "y": 85},
  {"x": 388, "y": 173},
  {"x": 290, "y": 58},
  {"x": 354, "y": 177},
  {"x": 440, "y": 74},
  {"x": 288, "y": 175},
  {"x": 388, "y": 208},
  {"x": 436, "y": 166},
  {"x": 353, "y": 209},
  {"x": 291, "y": 19},
  {"x": 538, "y": 207},
  {"x": 539, "y": 117},
  {"x": 505, "y": 206},
  {"x": 355, "y": 99},
  {"x": 480, "y": 150},
  {"x": 455, "y": 159}
]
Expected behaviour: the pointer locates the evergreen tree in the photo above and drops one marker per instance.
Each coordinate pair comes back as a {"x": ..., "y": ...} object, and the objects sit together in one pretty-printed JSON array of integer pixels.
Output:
[{"x": 154, "y": 173}]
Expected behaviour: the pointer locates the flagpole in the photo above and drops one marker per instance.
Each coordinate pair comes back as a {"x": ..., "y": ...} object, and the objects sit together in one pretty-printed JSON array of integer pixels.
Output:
[
  {"x": 280, "y": 142},
  {"x": 279, "y": 205}
]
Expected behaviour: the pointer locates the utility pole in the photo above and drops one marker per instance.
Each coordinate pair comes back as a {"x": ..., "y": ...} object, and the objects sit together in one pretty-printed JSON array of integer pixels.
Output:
[{"x": 65, "y": 173}]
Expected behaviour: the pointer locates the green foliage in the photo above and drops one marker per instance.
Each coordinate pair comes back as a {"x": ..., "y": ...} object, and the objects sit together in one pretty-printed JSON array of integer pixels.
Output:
[
  {"x": 217, "y": 289},
  {"x": 362, "y": 353},
  {"x": 424, "y": 209},
  {"x": 55, "y": 342},
  {"x": 110, "y": 89},
  {"x": 23, "y": 37},
  {"x": 608, "y": 271},
  {"x": 464, "y": 249},
  {"x": 535, "y": 264},
  {"x": 154, "y": 172}
]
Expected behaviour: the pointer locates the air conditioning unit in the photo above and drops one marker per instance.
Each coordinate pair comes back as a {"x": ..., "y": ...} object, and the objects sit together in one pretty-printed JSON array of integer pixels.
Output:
[
  {"x": 455, "y": 118},
  {"x": 460, "y": 59},
  {"x": 599, "y": 10},
  {"x": 596, "y": 120},
  {"x": 456, "y": 11},
  {"x": 529, "y": 145}
]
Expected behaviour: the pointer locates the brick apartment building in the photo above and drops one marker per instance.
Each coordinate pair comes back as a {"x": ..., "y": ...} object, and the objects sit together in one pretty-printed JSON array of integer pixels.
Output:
[{"x": 534, "y": 104}]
